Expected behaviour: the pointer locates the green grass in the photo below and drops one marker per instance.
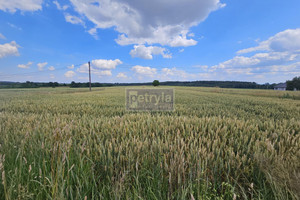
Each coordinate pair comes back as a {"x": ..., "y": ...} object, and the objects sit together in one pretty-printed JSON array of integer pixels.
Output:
[{"x": 62, "y": 143}]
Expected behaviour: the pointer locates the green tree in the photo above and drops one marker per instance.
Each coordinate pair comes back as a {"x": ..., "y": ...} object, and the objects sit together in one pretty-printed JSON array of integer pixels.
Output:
[
  {"x": 51, "y": 84},
  {"x": 155, "y": 83},
  {"x": 295, "y": 83},
  {"x": 73, "y": 84},
  {"x": 56, "y": 84}
]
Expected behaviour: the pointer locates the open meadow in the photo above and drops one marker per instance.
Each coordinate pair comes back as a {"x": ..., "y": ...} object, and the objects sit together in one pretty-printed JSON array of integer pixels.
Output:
[{"x": 63, "y": 143}]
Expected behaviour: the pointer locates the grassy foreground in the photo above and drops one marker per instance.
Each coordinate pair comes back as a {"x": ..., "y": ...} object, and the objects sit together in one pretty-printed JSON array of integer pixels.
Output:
[{"x": 219, "y": 144}]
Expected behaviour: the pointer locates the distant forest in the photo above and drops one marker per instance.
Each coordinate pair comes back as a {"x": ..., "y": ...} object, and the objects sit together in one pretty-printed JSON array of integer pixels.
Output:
[{"x": 221, "y": 84}]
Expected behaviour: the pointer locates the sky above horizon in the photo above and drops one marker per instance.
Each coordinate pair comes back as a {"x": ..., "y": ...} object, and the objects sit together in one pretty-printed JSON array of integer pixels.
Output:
[{"x": 142, "y": 40}]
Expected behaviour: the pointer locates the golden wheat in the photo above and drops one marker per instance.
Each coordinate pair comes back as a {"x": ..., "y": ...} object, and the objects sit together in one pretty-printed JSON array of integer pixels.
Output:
[{"x": 72, "y": 144}]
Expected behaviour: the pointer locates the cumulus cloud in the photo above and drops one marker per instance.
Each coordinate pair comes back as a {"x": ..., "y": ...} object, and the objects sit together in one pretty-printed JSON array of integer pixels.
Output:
[
  {"x": 73, "y": 19},
  {"x": 257, "y": 60},
  {"x": 59, "y": 7},
  {"x": 25, "y": 66},
  {"x": 143, "y": 21},
  {"x": 83, "y": 68},
  {"x": 238, "y": 61},
  {"x": 122, "y": 75},
  {"x": 100, "y": 67},
  {"x": 104, "y": 73},
  {"x": 144, "y": 71},
  {"x": 144, "y": 52},
  {"x": 288, "y": 40},
  {"x": 70, "y": 74},
  {"x": 23, "y": 5},
  {"x": 168, "y": 74},
  {"x": 51, "y": 68},
  {"x": 41, "y": 65},
  {"x": 280, "y": 52},
  {"x": 286, "y": 69},
  {"x": 9, "y": 49},
  {"x": 105, "y": 64},
  {"x": 277, "y": 58}
]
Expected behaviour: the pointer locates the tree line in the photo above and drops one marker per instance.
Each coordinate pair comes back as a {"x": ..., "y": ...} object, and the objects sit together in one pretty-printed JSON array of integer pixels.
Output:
[
  {"x": 29, "y": 84},
  {"x": 73, "y": 84},
  {"x": 291, "y": 84}
]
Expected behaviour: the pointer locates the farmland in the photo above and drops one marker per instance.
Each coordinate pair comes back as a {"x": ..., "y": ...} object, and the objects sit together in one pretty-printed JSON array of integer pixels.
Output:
[{"x": 62, "y": 143}]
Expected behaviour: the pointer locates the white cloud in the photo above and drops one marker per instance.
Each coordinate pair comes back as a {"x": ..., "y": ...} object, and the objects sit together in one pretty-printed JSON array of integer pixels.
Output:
[
  {"x": 258, "y": 60},
  {"x": 104, "y": 73},
  {"x": 143, "y": 21},
  {"x": 105, "y": 64},
  {"x": 279, "y": 61},
  {"x": 141, "y": 51},
  {"x": 52, "y": 76},
  {"x": 9, "y": 49},
  {"x": 122, "y": 75},
  {"x": 41, "y": 65},
  {"x": 144, "y": 71},
  {"x": 288, "y": 40},
  {"x": 51, "y": 68},
  {"x": 83, "y": 68},
  {"x": 23, "y": 5},
  {"x": 70, "y": 74},
  {"x": 172, "y": 71},
  {"x": 286, "y": 68},
  {"x": 191, "y": 35},
  {"x": 93, "y": 32},
  {"x": 73, "y": 19},
  {"x": 175, "y": 74},
  {"x": 168, "y": 74},
  {"x": 238, "y": 61},
  {"x": 14, "y": 26},
  {"x": 281, "y": 53},
  {"x": 25, "y": 66},
  {"x": 244, "y": 71},
  {"x": 2, "y": 36},
  {"x": 71, "y": 67},
  {"x": 59, "y": 7},
  {"x": 181, "y": 40},
  {"x": 100, "y": 67}
]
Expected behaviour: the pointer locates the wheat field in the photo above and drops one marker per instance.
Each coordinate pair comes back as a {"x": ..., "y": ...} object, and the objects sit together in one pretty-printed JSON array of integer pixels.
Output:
[{"x": 63, "y": 143}]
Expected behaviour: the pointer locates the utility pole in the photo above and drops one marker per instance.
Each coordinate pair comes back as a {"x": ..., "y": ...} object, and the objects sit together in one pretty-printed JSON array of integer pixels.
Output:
[{"x": 90, "y": 75}]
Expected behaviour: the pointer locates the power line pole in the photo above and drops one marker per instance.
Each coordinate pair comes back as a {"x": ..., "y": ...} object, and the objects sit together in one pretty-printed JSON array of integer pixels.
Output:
[{"x": 90, "y": 76}]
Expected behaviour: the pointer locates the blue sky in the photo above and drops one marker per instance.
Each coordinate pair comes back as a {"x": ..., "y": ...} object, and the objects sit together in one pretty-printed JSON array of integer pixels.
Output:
[{"x": 142, "y": 40}]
